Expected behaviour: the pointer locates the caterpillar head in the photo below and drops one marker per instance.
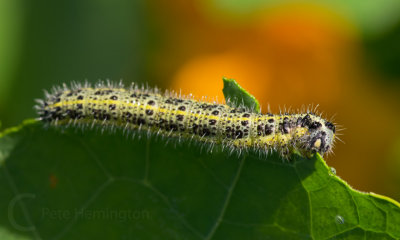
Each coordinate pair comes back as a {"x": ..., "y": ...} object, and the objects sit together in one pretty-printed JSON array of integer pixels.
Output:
[{"x": 321, "y": 134}]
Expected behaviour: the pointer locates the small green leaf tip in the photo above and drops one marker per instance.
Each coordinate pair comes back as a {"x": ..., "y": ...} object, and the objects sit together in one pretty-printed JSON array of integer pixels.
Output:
[{"x": 236, "y": 96}]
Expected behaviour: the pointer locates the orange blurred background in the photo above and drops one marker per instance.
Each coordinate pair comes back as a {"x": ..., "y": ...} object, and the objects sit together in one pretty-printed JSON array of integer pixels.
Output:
[{"x": 342, "y": 56}]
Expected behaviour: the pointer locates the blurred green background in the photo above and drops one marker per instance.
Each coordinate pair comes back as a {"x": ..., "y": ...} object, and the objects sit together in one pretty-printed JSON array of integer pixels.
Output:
[{"x": 343, "y": 55}]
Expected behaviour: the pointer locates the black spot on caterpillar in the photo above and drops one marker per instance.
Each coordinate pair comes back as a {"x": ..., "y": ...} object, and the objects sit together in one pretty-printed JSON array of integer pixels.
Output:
[{"x": 138, "y": 109}]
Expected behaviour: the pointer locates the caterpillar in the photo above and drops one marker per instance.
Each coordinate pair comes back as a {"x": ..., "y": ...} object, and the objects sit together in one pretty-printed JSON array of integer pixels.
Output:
[{"x": 171, "y": 115}]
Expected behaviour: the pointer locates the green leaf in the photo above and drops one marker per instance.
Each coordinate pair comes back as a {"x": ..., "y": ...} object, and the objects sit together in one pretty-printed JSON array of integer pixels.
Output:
[
  {"x": 236, "y": 96},
  {"x": 71, "y": 184}
]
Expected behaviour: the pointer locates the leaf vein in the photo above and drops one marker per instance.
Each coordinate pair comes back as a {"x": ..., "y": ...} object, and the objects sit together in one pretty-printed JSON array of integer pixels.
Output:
[{"x": 227, "y": 201}]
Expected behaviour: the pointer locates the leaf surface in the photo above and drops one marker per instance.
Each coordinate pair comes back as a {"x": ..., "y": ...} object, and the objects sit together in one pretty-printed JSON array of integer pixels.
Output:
[{"x": 84, "y": 185}]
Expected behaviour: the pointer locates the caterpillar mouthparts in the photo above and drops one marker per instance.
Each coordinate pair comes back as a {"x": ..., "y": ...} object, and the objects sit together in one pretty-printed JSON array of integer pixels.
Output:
[{"x": 137, "y": 109}]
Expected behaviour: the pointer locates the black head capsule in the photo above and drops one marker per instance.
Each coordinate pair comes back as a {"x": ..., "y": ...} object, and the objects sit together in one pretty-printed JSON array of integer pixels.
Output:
[{"x": 320, "y": 136}]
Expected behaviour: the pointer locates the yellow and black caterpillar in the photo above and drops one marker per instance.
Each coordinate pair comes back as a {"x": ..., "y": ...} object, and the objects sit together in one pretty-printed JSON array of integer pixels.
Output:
[{"x": 171, "y": 115}]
